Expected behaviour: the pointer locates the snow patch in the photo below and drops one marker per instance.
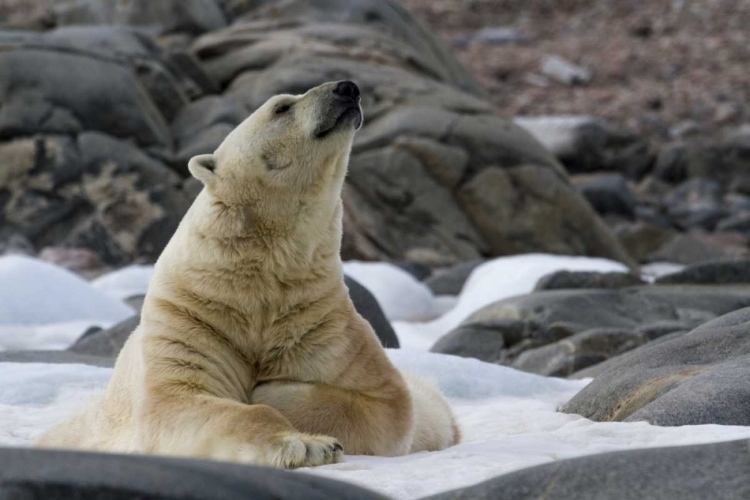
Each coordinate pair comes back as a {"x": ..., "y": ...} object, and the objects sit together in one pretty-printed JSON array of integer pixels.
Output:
[{"x": 495, "y": 280}]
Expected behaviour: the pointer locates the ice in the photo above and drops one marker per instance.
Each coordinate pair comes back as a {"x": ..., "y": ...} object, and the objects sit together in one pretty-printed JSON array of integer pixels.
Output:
[
  {"x": 400, "y": 295},
  {"x": 492, "y": 281},
  {"x": 508, "y": 419},
  {"x": 46, "y": 307}
]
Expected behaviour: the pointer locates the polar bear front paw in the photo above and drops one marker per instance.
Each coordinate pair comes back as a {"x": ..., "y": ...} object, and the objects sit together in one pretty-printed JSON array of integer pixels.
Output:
[{"x": 292, "y": 450}]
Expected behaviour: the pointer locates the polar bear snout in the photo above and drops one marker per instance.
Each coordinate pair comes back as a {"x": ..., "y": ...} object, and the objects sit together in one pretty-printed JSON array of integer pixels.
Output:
[
  {"x": 347, "y": 90},
  {"x": 340, "y": 109}
]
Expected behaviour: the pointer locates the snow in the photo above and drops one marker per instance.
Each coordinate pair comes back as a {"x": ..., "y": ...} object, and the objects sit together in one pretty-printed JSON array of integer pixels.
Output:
[
  {"x": 126, "y": 282},
  {"x": 400, "y": 295},
  {"x": 508, "y": 419},
  {"x": 46, "y": 307},
  {"x": 494, "y": 280}
]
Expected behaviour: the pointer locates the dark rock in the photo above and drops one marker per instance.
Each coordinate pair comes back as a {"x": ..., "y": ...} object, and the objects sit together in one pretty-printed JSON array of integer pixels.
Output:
[
  {"x": 607, "y": 193},
  {"x": 451, "y": 281},
  {"x": 106, "y": 343},
  {"x": 711, "y": 273},
  {"x": 416, "y": 269},
  {"x": 55, "y": 357},
  {"x": 692, "y": 379},
  {"x": 696, "y": 203},
  {"x": 578, "y": 351},
  {"x": 193, "y": 16},
  {"x": 643, "y": 239},
  {"x": 546, "y": 317},
  {"x": 739, "y": 222},
  {"x": 698, "y": 472},
  {"x": 367, "y": 305},
  {"x": 697, "y": 246},
  {"x": 66, "y": 93},
  {"x": 51, "y": 474},
  {"x": 483, "y": 341},
  {"x": 109, "y": 342},
  {"x": 587, "y": 279}
]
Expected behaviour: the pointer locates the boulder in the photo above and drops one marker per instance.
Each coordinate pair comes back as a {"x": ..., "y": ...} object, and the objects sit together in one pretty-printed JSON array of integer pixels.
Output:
[
  {"x": 698, "y": 246},
  {"x": 561, "y": 280},
  {"x": 710, "y": 273},
  {"x": 696, "y": 203},
  {"x": 584, "y": 327},
  {"x": 698, "y": 472},
  {"x": 51, "y": 474},
  {"x": 578, "y": 351},
  {"x": 607, "y": 193},
  {"x": 108, "y": 343},
  {"x": 450, "y": 281},
  {"x": 696, "y": 378},
  {"x": 55, "y": 357}
]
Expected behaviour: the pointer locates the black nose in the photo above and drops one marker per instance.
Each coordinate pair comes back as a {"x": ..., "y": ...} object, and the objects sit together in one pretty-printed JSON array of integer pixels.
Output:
[{"x": 347, "y": 89}]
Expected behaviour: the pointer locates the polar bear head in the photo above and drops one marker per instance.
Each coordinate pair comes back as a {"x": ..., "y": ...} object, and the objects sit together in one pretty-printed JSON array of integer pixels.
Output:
[{"x": 288, "y": 158}]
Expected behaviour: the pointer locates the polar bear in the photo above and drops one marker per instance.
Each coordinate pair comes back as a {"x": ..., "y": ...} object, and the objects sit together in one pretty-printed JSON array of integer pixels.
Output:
[{"x": 249, "y": 348}]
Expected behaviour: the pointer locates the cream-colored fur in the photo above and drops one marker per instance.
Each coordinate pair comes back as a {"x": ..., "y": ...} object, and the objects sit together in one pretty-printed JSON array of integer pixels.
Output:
[{"x": 249, "y": 348}]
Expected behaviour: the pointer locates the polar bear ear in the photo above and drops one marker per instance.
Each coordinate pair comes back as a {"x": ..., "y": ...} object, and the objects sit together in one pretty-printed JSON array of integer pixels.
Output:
[{"x": 203, "y": 167}]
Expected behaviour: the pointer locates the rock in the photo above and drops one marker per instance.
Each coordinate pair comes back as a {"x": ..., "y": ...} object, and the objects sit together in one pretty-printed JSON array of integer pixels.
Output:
[
  {"x": 607, "y": 193},
  {"x": 450, "y": 281},
  {"x": 697, "y": 246},
  {"x": 483, "y": 341},
  {"x": 74, "y": 259},
  {"x": 52, "y": 474},
  {"x": 546, "y": 317},
  {"x": 54, "y": 357},
  {"x": 696, "y": 203},
  {"x": 739, "y": 222},
  {"x": 417, "y": 269},
  {"x": 367, "y": 305},
  {"x": 715, "y": 470},
  {"x": 578, "y": 351},
  {"x": 67, "y": 93},
  {"x": 97, "y": 192},
  {"x": 710, "y": 273},
  {"x": 193, "y": 16},
  {"x": 564, "y": 71},
  {"x": 429, "y": 144},
  {"x": 106, "y": 343},
  {"x": 693, "y": 379},
  {"x": 585, "y": 279},
  {"x": 109, "y": 342}
]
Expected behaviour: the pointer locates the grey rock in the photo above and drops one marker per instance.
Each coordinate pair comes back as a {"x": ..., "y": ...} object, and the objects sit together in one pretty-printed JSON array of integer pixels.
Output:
[
  {"x": 194, "y": 16},
  {"x": 711, "y": 273},
  {"x": 483, "y": 341},
  {"x": 367, "y": 305},
  {"x": 695, "y": 247},
  {"x": 698, "y": 472},
  {"x": 106, "y": 343},
  {"x": 450, "y": 281},
  {"x": 692, "y": 379},
  {"x": 578, "y": 351},
  {"x": 542, "y": 318},
  {"x": 739, "y": 222},
  {"x": 55, "y": 357},
  {"x": 696, "y": 203},
  {"x": 607, "y": 193},
  {"x": 51, "y": 474},
  {"x": 586, "y": 279},
  {"x": 66, "y": 93}
]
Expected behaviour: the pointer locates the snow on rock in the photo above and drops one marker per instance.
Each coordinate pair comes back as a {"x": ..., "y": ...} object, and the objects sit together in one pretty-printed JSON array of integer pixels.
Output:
[
  {"x": 46, "y": 307},
  {"x": 492, "y": 281},
  {"x": 508, "y": 419},
  {"x": 126, "y": 282},
  {"x": 400, "y": 295}
]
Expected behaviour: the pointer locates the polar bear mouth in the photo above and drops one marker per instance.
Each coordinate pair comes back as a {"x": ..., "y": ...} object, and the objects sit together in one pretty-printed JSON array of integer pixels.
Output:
[{"x": 350, "y": 114}]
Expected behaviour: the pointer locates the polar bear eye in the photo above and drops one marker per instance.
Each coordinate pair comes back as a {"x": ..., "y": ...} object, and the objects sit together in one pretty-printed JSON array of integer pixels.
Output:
[{"x": 282, "y": 108}]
